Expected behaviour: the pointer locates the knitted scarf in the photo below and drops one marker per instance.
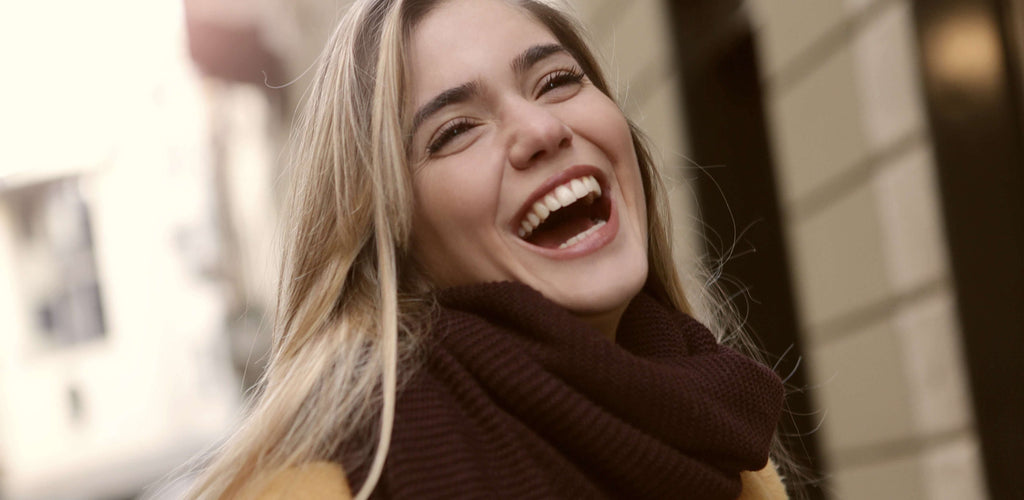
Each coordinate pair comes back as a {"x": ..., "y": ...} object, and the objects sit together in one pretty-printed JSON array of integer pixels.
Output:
[{"x": 517, "y": 398}]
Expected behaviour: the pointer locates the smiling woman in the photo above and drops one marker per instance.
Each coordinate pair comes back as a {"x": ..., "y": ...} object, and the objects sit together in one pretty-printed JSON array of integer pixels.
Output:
[
  {"x": 479, "y": 298},
  {"x": 523, "y": 170}
]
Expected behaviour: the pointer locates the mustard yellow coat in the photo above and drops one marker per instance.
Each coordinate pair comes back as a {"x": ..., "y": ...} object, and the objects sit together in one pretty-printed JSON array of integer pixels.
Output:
[{"x": 326, "y": 480}]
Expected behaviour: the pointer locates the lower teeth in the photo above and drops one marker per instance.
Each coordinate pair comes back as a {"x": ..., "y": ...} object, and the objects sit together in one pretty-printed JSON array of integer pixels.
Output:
[{"x": 580, "y": 237}]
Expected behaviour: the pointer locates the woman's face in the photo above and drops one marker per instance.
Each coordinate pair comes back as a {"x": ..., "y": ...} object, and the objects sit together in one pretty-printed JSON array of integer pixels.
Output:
[{"x": 522, "y": 169}]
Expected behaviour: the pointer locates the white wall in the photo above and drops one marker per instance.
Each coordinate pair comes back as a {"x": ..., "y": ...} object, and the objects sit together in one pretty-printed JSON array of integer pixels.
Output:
[{"x": 112, "y": 100}]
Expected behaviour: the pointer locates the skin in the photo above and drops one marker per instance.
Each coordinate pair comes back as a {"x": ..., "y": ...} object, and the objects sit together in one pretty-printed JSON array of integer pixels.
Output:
[{"x": 518, "y": 131}]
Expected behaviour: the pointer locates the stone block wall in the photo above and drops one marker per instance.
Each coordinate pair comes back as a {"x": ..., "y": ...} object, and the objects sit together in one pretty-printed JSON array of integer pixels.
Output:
[{"x": 864, "y": 225}]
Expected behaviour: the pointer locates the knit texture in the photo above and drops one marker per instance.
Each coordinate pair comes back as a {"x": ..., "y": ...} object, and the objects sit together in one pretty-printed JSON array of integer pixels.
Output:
[{"x": 520, "y": 399}]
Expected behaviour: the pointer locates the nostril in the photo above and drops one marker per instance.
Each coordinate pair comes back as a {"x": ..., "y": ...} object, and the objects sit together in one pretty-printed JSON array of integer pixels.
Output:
[
  {"x": 563, "y": 143},
  {"x": 536, "y": 140}
]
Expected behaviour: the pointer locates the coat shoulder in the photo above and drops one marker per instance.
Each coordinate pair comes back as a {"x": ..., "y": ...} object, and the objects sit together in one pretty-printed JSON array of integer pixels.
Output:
[
  {"x": 314, "y": 480},
  {"x": 765, "y": 484},
  {"x": 319, "y": 480}
]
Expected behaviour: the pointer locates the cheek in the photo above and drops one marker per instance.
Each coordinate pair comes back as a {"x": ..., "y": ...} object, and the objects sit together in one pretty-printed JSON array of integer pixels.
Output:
[
  {"x": 452, "y": 198},
  {"x": 455, "y": 212},
  {"x": 633, "y": 187},
  {"x": 627, "y": 166}
]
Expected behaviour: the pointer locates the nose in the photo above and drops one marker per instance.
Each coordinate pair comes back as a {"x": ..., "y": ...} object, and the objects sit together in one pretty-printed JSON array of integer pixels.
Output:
[{"x": 537, "y": 133}]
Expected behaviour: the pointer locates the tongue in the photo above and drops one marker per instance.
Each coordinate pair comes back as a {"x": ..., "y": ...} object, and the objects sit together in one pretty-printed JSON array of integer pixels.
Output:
[{"x": 561, "y": 226}]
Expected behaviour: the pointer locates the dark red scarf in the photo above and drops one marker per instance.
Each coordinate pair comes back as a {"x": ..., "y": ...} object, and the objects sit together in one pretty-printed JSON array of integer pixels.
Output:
[{"x": 517, "y": 398}]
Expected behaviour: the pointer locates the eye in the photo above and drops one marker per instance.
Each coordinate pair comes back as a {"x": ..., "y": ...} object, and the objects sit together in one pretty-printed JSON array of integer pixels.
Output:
[
  {"x": 560, "y": 78},
  {"x": 449, "y": 132}
]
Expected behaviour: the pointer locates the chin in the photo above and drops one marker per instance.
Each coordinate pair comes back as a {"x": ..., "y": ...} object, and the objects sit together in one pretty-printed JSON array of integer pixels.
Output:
[{"x": 606, "y": 292}]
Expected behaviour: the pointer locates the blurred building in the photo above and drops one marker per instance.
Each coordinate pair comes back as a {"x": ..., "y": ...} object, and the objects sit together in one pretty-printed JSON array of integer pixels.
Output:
[
  {"x": 115, "y": 293},
  {"x": 812, "y": 147}
]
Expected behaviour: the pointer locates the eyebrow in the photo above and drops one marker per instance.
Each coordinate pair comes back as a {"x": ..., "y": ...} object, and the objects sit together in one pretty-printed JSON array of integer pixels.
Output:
[
  {"x": 462, "y": 93},
  {"x": 454, "y": 95},
  {"x": 533, "y": 55}
]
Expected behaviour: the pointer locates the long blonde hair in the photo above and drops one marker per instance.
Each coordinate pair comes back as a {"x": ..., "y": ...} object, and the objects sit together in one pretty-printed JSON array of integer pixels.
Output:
[{"x": 351, "y": 302}]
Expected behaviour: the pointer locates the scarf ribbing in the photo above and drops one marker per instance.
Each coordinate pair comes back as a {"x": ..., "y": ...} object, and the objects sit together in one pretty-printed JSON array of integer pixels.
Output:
[{"x": 517, "y": 398}]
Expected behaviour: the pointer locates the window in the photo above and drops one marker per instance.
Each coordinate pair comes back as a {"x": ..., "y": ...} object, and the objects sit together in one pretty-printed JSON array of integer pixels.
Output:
[{"x": 56, "y": 262}]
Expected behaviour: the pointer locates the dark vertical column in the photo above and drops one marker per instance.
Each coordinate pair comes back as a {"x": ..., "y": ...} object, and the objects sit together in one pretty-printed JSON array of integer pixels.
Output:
[
  {"x": 972, "y": 80},
  {"x": 723, "y": 103}
]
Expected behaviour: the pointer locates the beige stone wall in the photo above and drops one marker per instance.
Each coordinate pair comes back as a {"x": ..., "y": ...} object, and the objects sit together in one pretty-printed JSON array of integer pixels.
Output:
[{"x": 860, "y": 201}]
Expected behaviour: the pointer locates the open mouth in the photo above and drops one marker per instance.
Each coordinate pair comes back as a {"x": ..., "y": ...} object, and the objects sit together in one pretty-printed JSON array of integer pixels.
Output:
[{"x": 566, "y": 215}]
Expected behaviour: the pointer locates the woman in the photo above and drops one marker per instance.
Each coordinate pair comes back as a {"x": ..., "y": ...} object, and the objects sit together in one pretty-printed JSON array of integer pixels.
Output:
[{"x": 479, "y": 297}]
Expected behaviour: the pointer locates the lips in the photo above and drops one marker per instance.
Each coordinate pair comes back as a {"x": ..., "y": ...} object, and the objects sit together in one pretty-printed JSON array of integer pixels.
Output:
[{"x": 562, "y": 216}]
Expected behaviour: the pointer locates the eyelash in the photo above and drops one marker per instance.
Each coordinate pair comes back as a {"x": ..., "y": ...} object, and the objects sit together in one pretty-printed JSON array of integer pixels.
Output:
[
  {"x": 448, "y": 133},
  {"x": 550, "y": 82},
  {"x": 559, "y": 78}
]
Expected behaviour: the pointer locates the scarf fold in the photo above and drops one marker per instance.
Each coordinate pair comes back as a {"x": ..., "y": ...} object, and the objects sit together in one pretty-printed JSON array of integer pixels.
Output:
[{"x": 519, "y": 398}]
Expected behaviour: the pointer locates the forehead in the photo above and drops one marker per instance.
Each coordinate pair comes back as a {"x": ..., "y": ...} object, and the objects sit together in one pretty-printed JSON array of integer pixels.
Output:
[{"x": 462, "y": 40}]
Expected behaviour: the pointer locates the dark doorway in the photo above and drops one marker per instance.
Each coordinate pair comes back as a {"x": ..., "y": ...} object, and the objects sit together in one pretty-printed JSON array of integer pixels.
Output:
[{"x": 975, "y": 112}]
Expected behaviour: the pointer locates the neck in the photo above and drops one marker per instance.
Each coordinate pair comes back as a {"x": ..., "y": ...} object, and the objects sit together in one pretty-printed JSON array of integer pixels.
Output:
[{"x": 607, "y": 322}]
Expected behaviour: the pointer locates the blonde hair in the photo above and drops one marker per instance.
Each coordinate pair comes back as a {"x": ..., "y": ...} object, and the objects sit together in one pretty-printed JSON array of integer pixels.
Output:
[{"x": 351, "y": 302}]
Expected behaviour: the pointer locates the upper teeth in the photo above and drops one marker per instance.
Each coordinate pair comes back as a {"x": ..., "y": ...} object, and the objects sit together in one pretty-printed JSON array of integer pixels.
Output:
[{"x": 561, "y": 196}]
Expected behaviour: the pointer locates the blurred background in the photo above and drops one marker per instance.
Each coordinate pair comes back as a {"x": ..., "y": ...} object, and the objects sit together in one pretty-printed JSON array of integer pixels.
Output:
[{"x": 855, "y": 166}]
